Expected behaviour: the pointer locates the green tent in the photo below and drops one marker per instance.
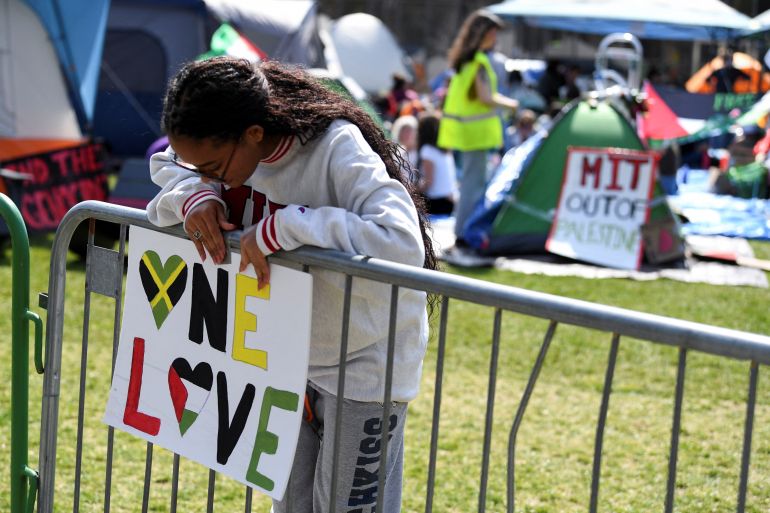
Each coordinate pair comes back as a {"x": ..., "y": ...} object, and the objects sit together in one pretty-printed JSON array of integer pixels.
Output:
[{"x": 518, "y": 210}]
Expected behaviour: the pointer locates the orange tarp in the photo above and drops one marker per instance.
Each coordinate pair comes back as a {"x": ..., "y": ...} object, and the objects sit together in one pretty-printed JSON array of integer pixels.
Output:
[{"x": 11, "y": 149}]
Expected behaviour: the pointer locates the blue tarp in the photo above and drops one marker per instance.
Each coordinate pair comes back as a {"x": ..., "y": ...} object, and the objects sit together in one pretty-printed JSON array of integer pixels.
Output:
[
  {"x": 76, "y": 29},
  {"x": 688, "y": 20},
  {"x": 718, "y": 214}
]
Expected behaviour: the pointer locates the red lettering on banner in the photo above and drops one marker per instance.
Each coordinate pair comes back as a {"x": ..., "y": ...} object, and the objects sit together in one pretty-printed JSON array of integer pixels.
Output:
[
  {"x": 68, "y": 194},
  {"x": 35, "y": 167},
  {"x": 77, "y": 161},
  {"x": 44, "y": 209},
  {"x": 591, "y": 169},
  {"x": 32, "y": 214},
  {"x": 637, "y": 163},
  {"x": 60, "y": 158},
  {"x": 59, "y": 180},
  {"x": 132, "y": 416},
  {"x": 616, "y": 160},
  {"x": 54, "y": 202}
]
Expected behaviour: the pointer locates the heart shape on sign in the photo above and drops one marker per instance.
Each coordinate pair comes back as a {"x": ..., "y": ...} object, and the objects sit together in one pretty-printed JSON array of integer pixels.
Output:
[
  {"x": 190, "y": 389},
  {"x": 163, "y": 283}
]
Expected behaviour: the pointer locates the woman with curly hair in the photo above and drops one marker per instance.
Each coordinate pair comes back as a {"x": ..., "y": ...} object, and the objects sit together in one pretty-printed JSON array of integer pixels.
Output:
[
  {"x": 470, "y": 123},
  {"x": 267, "y": 148}
]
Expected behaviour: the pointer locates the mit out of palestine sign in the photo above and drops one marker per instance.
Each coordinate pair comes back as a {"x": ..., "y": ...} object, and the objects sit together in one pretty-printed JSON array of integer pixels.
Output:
[{"x": 604, "y": 202}]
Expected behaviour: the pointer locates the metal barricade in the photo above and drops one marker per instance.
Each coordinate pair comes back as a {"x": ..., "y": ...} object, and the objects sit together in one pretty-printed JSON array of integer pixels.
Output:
[
  {"x": 23, "y": 479},
  {"x": 104, "y": 271}
]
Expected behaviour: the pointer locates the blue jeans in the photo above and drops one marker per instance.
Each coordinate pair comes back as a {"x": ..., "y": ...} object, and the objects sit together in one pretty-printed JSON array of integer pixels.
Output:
[{"x": 473, "y": 184}]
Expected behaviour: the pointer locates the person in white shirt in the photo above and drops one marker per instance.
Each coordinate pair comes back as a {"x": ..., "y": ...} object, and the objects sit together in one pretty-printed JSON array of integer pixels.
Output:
[
  {"x": 267, "y": 148},
  {"x": 404, "y": 133},
  {"x": 438, "y": 180}
]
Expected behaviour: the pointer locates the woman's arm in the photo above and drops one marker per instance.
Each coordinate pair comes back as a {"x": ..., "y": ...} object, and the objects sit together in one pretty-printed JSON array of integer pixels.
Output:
[
  {"x": 492, "y": 98},
  {"x": 427, "y": 169},
  {"x": 181, "y": 190}
]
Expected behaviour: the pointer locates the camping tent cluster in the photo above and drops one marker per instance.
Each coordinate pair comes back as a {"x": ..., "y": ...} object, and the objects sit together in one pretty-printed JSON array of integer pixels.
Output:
[
  {"x": 99, "y": 68},
  {"x": 146, "y": 42},
  {"x": 549, "y": 192},
  {"x": 82, "y": 81}
]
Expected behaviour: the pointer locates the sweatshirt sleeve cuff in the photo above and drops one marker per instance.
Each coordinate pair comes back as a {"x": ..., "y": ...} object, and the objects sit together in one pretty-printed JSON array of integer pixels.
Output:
[
  {"x": 197, "y": 198},
  {"x": 266, "y": 236}
]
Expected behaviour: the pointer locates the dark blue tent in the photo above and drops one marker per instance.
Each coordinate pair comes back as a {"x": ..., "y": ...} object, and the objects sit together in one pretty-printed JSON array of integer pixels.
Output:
[{"x": 148, "y": 40}]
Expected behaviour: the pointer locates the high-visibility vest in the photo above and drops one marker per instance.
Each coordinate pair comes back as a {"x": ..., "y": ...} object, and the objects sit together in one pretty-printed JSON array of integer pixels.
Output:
[{"x": 467, "y": 124}]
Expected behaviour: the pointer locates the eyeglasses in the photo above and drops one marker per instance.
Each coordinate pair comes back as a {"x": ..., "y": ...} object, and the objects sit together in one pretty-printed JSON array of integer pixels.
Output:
[{"x": 209, "y": 176}]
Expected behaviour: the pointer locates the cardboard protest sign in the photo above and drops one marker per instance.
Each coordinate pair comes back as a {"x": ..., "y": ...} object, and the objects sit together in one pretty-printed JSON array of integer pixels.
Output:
[
  {"x": 604, "y": 201},
  {"x": 58, "y": 180},
  {"x": 209, "y": 365}
]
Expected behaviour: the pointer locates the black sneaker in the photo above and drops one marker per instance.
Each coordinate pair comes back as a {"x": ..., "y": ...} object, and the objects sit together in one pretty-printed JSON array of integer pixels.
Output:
[{"x": 461, "y": 243}]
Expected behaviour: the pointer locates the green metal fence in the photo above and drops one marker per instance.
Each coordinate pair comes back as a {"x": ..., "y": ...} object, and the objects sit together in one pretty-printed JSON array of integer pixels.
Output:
[{"x": 24, "y": 480}]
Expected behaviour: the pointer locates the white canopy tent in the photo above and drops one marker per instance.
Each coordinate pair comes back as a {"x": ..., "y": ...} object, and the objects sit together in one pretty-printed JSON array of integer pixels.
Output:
[
  {"x": 367, "y": 51},
  {"x": 690, "y": 20}
]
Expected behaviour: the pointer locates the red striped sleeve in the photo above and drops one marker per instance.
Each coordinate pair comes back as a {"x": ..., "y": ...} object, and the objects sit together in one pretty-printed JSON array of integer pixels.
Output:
[
  {"x": 271, "y": 245},
  {"x": 194, "y": 199}
]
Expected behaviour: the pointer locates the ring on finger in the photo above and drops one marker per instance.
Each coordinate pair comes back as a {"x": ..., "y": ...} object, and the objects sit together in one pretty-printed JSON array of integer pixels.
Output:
[{"x": 197, "y": 235}]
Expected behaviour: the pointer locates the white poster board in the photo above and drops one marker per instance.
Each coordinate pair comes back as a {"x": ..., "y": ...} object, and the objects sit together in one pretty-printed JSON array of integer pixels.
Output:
[
  {"x": 210, "y": 366},
  {"x": 604, "y": 201}
]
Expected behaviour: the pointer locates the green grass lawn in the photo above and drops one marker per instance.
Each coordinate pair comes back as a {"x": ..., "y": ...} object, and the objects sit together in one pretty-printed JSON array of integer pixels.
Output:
[{"x": 555, "y": 445}]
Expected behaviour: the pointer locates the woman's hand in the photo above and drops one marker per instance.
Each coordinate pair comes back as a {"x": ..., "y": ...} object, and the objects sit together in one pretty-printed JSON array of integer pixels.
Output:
[
  {"x": 251, "y": 254},
  {"x": 204, "y": 225}
]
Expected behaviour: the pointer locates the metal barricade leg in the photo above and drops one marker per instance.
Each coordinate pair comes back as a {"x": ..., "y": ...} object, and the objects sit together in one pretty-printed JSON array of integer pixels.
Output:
[{"x": 23, "y": 479}]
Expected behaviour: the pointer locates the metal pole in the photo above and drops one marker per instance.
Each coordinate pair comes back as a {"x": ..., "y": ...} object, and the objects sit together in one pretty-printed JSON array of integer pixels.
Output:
[{"x": 19, "y": 354}]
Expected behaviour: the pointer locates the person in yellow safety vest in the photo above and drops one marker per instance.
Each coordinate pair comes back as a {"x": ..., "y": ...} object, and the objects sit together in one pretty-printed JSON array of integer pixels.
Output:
[{"x": 470, "y": 123}]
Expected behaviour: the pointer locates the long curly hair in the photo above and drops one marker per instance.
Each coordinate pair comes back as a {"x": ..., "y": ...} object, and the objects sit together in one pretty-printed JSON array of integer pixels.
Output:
[
  {"x": 219, "y": 98},
  {"x": 469, "y": 38}
]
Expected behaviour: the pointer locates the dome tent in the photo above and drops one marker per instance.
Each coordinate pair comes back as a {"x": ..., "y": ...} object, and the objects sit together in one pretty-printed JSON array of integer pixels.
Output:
[
  {"x": 49, "y": 64},
  {"x": 516, "y": 214},
  {"x": 146, "y": 42},
  {"x": 361, "y": 39}
]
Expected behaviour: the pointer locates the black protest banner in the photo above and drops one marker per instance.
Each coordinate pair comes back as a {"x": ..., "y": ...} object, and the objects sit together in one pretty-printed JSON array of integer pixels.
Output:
[{"x": 58, "y": 180}]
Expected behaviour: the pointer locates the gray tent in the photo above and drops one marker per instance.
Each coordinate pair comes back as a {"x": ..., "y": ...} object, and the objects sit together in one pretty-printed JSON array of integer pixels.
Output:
[{"x": 147, "y": 41}]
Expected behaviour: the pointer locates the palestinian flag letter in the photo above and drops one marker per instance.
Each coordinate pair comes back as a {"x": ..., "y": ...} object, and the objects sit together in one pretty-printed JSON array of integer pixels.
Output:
[{"x": 190, "y": 389}]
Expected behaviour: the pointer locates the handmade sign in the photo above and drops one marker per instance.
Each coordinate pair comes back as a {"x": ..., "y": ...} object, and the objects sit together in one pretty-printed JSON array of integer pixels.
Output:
[
  {"x": 58, "y": 180},
  {"x": 604, "y": 202},
  {"x": 209, "y": 365}
]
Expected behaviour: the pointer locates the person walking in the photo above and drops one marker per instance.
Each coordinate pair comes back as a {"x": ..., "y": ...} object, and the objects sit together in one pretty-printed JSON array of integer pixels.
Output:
[{"x": 470, "y": 124}]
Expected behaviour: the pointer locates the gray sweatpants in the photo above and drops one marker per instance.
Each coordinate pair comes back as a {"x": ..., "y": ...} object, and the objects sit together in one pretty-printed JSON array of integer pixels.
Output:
[{"x": 359, "y": 458}]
